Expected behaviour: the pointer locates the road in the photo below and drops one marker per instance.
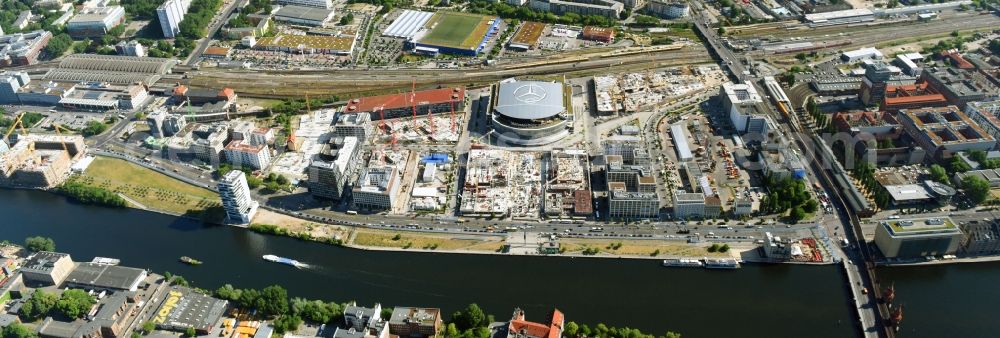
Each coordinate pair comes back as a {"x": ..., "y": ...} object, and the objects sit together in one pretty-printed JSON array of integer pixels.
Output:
[
  {"x": 866, "y": 303},
  {"x": 217, "y": 22}
]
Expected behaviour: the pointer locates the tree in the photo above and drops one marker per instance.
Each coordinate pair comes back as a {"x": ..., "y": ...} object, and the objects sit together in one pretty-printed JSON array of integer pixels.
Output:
[
  {"x": 671, "y": 334},
  {"x": 249, "y": 298},
  {"x": 179, "y": 280},
  {"x": 94, "y": 128},
  {"x": 938, "y": 174},
  {"x": 724, "y": 248},
  {"x": 451, "y": 331},
  {"x": 797, "y": 214},
  {"x": 39, "y": 243},
  {"x": 976, "y": 188},
  {"x": 275, "y": 301},
  {"x": 585, "y": 330},
  {"x": 229, "y": 293},
  {"x": 148, "y": 327},
  {"x": 190, "y": 332},
  {"x": 287, "y": 324},
  {"x": 16, "y": 330},
  {"x": 810, "y": 206},
  {"x": 75, "y": 303},
  {"x": 571, "y": 329},
  {"x": 471, "y": 317},
  {"x": 316, "y": 310},
  {"x": 721, "y": 31},
  {"x": 38, "y": 305},
  {"x": 958, "y": 165}
]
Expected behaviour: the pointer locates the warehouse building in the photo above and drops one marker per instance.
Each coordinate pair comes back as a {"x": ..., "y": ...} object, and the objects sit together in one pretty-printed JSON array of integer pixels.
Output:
[
  {"x": 103, "y": 277},
  {"x": 917, "y": 238},
  {"x": 325, "y": 4},
  {"x": 94, "y": 22},
  {"x": 445, "y": 100},
  {"x": 530, "y": 113},
  {"x": 308, "y": 44},
  {"x": 844, "y": 17},
  {"x": 184, "y": 308},
  {"x": 47, "y": 268},
  {"x": 863, "y": 54},
  {"x": 407, "y": 24},
  {"x": 306, "y": 16}
]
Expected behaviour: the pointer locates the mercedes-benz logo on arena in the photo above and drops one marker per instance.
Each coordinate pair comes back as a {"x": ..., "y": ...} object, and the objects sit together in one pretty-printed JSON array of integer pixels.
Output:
[{"x": 529, "y": 93}]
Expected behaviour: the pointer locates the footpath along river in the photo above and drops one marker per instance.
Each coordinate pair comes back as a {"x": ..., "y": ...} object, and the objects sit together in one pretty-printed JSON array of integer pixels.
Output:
[{"x": 755, "y": 301}]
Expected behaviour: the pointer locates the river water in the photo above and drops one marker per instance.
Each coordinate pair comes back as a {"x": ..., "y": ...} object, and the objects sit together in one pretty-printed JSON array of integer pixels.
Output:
[{"x": 756, "y": 301}]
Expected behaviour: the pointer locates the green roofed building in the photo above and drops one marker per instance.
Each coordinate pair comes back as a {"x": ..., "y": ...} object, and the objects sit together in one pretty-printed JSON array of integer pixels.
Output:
[{"x": 918, "y": 237}]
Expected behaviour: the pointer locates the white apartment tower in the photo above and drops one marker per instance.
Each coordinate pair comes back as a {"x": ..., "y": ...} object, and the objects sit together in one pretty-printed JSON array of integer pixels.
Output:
[
  {"x": 171, "y": 13},
  {"x": 235, "y": 194}
]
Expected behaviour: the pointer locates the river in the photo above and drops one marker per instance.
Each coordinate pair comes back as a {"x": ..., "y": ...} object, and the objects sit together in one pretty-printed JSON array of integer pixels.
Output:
[{"x": 756, "y": 301}]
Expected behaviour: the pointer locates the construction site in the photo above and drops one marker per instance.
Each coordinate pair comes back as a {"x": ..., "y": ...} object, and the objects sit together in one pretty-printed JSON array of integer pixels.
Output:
[
  {"x": 500, "y": 183},
  {"x": 631, "y": 92},
  {"x": 38, "y": 161}
]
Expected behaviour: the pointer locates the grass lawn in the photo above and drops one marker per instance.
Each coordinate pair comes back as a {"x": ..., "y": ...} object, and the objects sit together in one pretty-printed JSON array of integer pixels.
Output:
[
  {"x": 638, "y": 247},
  {"x": 411, "y": 240},
  {"x": 150, "y": 188},
  {"x": 453, "y": 29}
]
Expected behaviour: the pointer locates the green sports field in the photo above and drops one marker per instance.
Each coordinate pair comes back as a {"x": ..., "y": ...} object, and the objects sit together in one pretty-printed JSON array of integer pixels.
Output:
[{"x": 457, "y": 30}]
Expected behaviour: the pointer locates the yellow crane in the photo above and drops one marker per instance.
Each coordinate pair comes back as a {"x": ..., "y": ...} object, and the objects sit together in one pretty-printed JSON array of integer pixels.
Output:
[
  {"x": 59, "y": 129},
  {"x": 17, "y": 123}
]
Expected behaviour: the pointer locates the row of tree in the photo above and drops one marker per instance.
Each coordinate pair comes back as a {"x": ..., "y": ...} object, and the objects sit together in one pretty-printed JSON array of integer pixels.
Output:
[
  {"x": 864, "y": 172},
  {"x": 91, "y": 195}
]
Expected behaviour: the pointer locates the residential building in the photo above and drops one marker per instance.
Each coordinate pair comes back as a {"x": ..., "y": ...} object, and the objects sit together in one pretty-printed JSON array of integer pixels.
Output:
[
  {"x": 328, "y": 175},
  {"x": 22, "y": 49},
  {"x": 917, "y": 238},
  {"x": 607, "y": 8},
  {"x": 47, "y": 268},
  {"x": 986, "y": 114},
  {"x": 95, "y": 22},
  {"x": 244, "y": 154},
  {"x": 327, "y": 4},
  {"x": 377, "y": 188},
  {"x": 519, "y": 327},
  {"x": 689, "y": 205},
  {"x": 236, "y": 200},
  {"x": 409, "y": 322},
  {"x": 668, "y": 9},
  {"x": 742, "y": 206},
  {"x": 130, "y": 48},
  {"x": 23, "y": 19},
  {"x": 357, "y": 125},
  {"x": 944, "y": 131},
  {"x": 209, "y": 142},
  {"x": 10, "y": 84},
  {"x": 171, "y": 13}
]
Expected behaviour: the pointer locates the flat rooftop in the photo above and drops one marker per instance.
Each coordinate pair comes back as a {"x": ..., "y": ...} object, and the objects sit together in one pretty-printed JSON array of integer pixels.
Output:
[
  {"x": 105, "y": 276},
  {"x": 918, "y": 226},
  {"x": 404, "y": 100},
  {"x": 308, "y": 41}
]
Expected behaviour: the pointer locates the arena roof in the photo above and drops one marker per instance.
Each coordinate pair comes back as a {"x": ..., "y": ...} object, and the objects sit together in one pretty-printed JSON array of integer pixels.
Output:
[
  {"x": 402, "y": 100},
  {"x": 528, "y": 100},
  {"x": 117, "y": 63},
  {"x": 407, "y": 24}
]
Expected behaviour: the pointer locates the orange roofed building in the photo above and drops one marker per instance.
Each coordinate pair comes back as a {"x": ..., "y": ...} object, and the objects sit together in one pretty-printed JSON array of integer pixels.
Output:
[
  {"x": 521, "y": 328},
  {"x": 913, "y": 96}
]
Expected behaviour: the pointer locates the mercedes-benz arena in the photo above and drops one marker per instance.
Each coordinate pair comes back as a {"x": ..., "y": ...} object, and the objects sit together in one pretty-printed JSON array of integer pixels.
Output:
[{"x": 530, "y": 113}]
